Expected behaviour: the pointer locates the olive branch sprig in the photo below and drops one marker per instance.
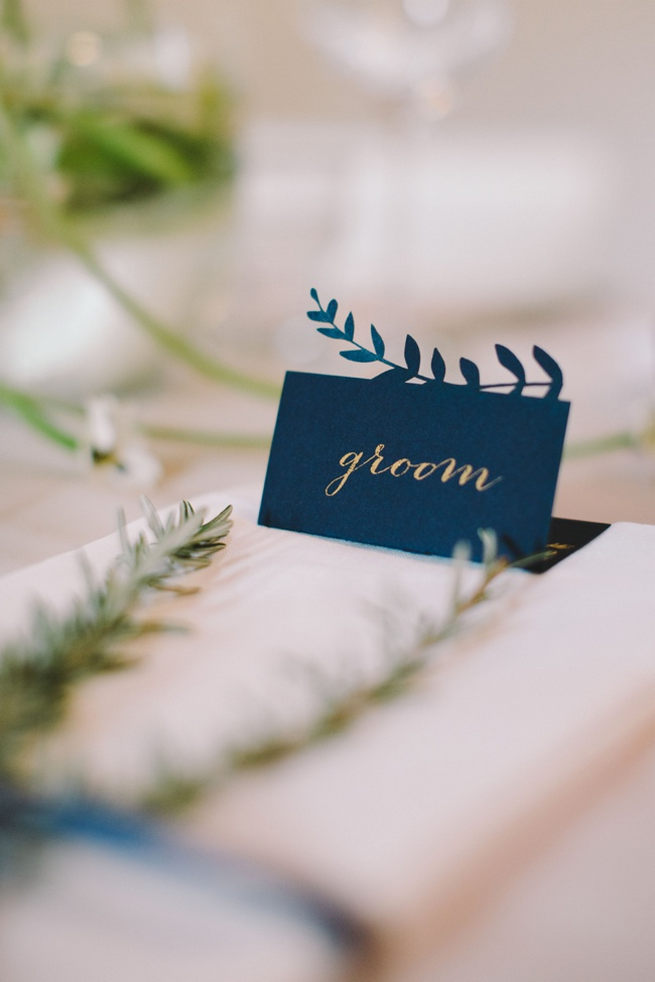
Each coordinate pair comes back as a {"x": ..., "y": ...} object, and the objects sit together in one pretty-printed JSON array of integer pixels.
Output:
[
  {"x": 39, "y": 671},
  {"x": 412, "y": 354}
]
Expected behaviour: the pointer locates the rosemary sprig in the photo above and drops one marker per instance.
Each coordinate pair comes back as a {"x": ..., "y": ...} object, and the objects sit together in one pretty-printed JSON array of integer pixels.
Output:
[
  {"x": 38, "y": 672},
  {"x": 174, "y": 789}
]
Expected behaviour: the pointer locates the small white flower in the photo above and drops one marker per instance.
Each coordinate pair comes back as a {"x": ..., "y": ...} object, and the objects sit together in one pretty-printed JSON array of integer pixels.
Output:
[{"x": 114, "y": 445}]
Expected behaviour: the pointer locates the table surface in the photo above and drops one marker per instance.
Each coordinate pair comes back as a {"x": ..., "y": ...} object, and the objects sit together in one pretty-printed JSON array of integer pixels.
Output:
[{"x": 49, "y": 502}]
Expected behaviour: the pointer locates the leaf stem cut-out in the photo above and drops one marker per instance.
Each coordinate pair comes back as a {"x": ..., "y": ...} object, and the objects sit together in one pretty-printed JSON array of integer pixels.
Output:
[
  {"x": 412, "y": 356},
  {"x": 438, "y": 366},
  {"x": 378, "y": 343},
  {"x": 470, "y": 372},
  {"x": 509, "y": 361},
  {"x": 551, "y": 368}
]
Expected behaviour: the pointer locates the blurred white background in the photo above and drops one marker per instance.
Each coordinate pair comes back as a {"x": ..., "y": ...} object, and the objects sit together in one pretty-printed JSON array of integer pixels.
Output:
[
  {"x": 579, "y": 68},
  {"x": 526, "y": 215}
]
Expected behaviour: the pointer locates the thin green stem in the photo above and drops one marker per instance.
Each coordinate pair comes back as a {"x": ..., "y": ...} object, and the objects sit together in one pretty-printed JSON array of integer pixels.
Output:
[
  {"x": 35, "y": 412},
  {"x": 31, "y": 411},
  {"x": 167, "y": 339},
  {"x": 50, "y": 220},
  {"x": 207, "y": 438},
  {"x": 624, "y": 440}
]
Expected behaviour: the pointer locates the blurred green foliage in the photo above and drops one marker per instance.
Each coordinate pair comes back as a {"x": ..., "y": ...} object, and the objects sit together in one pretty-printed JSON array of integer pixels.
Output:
[{"x": 104, "y": 132}]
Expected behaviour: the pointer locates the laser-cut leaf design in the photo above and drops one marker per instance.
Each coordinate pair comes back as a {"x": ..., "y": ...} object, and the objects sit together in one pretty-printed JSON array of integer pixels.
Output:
[
  {"x": 438, "y": 366},
  {"x": 411, "y": 370},
  {"x": 470, "y": 372},
  {"x": 330, "y": 332},
  {"x": 412, "y": 355},
  {"x": 509, "y": 361},
  {"x": 552, "y": 369},
  {"x": 393, "y": 376},
  {"x": 359, "y": 355},
  {"x": 378, "y": 343}
]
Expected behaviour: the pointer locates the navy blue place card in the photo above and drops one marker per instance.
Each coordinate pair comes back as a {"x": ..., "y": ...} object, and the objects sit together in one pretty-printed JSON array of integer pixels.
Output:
[{"x": 410, "y": 461}]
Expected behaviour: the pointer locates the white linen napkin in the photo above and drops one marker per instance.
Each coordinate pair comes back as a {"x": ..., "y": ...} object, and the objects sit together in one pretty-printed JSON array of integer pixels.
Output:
[{"x": 545, "y": 683}]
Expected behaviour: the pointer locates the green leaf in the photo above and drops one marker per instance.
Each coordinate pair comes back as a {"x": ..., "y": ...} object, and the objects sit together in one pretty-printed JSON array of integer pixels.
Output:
[
  {"x": 349, "y": 327},
  {"x": 144, "y": 152},
  {"x": 332, "y": 308},
  {"x": 318, "y": 315},
  {"x": 359, "y": 355},
  {"x": 378, "y": 343}
]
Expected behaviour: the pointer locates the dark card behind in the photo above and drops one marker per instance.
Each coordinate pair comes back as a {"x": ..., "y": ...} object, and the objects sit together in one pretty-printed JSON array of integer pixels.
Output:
[{"x": 323, "y": 417}]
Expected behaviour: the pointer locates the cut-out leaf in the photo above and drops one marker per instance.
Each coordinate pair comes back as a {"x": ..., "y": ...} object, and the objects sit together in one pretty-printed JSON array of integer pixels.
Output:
[
  {"x": 378, "y": 343},
  {"x": 438, "y": 366},
  {"x": 394, "y": 376},
  {"x": 358, "y": 355},
  {"x": 552, "y": 369},
  {"x": 470, "y": 372},
  {"x": 411, "y": 370},
  {"x": 509, "y": 361},
  {"x": 412, "y": 355},
  {"x": 330, "y": 332}
]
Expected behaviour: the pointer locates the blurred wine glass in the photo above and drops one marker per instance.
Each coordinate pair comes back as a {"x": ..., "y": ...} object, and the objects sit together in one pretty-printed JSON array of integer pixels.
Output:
[{"x": 410, "y": 52}]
